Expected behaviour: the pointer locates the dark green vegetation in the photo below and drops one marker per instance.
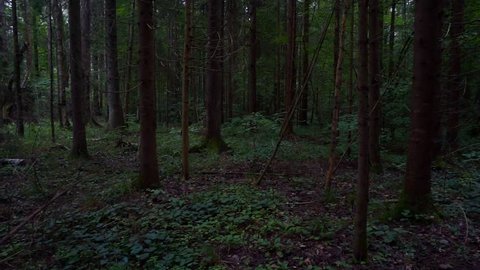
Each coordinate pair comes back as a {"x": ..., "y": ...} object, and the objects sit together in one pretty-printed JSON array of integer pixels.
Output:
[{"x": 217, "y": 219}]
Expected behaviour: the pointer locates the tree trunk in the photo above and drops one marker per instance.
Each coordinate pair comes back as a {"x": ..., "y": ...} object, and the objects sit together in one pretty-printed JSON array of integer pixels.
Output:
[
  {"x": 290, "y": 65},
  {"x": 350, "y": 75},
  {"x": 4, "y": 54},
  {"x": 79, "y": 148},
  {"x": 50, "y": 70},
  {"x": 361, "y": 200},
  {"x": 16, "y": 64},
  {"x": 391, "y": 42},
  {"x": 115, "y": 113},
  {"x": 62, "y": 64},
  {"x": 128, "y": 76},
  {"x": 252, "y": 59},
  {"x": 214, "y": 141},
  {"x": 231, "y": 21},
  {"x": 148, "y": 143},
  {"x": 306, "y": 35},
  {"x": 28, "y": 37},
  {"x": 456, "y": 80},
  {"x": 375, "y": 81},
  {"x": 332, "y": 159},
  {"x": 86, "y": 57},
  {"x": 427, "y": 61},
  {"x": 187, "y": 54}
]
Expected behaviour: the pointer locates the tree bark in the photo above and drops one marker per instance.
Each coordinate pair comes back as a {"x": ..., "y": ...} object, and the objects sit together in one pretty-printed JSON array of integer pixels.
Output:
[
  {"x": 332, "y": 159},
  {"x": 231, "y": 21},
  {"x": 350, "y": 75},
  {"x": 187, "y": 54},
  {"x": 427, "y": 61},
  {"x": 128, "y": 76},
  {"x": 214, "y": 141},
  {"x": 290, "y": 64},
  {"x": 456, "y": 80},
  {"x": 50, "y": 70},
  {"x": 148, "y": 143},
  {"x": 391, "y": 42},
  {"x": 361, "y": 200},
  {"x": 62, "y": 64},
  {"x": 86, "y": 56},
  {"x": 16, "y": 64},
  {"x": 28, "y": 37},
  {"x": 115, "y": 113},
  {"x": 303, "y": 119},
  {"x": 252, "y": 59},
  {"x": 375, "y": 81},
  {"x": 79, "y": 148}
]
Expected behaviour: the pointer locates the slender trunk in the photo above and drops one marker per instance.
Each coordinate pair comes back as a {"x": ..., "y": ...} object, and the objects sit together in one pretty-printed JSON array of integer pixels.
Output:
[
  {"x": 278, "y": 69},
  {"x": 62, "y": 64},
  {"x": 332, "y": 159},
  {"x": 427, "y": 61},
  {"x": 28, "y": 37},
  {"x": 128, "y": 76},
  {"x": 186, "y": 87},
  {"x": 36, "y": 63},
  {"x": 361, "y": 200},
  {"x": 115, "y": 113},
  {"x": 148, "y": 143},
  {"x": 79, "y": 148},
  {"x": 350, "y": 75},
  {"x": 290, "y": 65},
  {"x": 86, "y": 56},
  {"x": 232, "y": 52},
  {"x": 252, "y": 59},
  {"x": 375, "y": 81},
  {"x": 16, "y": 65},
  {"x": 391, "y": 42},
  {"x": 50, "y": 69},
  {"x": 456, "y": 80},
  {"x": 306, "y": 35}
]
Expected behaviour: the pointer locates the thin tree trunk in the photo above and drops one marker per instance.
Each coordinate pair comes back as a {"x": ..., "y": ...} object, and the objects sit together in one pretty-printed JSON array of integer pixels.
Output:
[
  {"x": 252, "y": 59},
  {"x": 28, "y": 37},
  {"x": 86, "y": 57},
  {"x": 115, "y": 113},
  {"x": 332, "y": 159},
  {"x": 50, "y": 68},
  {"x": 391, "y": 42},
  {"x": 148, "y": 143},
  {"x": 290, "y": 64},
  {"x": 375, "y": 81},
  {"x": 128, "y": 76},
  {"x": 306, "y": 35},
  {"x": 187, "y": 54},
  {"x": 361, "y": 200},
  {"x": 232, "y": 54},
  {"x": 456, "y": 80},
  {"x": 427, "y": 60},
  {"x": 62, "y": 64},
  {"x": 79, "y": 148},
  {"x": 16, "y": 64},
  {"x": 350, "y": 76}
]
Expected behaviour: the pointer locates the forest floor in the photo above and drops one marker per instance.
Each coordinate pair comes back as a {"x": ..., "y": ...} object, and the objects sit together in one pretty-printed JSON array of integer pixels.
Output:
[{"x": 218, "y": 219}]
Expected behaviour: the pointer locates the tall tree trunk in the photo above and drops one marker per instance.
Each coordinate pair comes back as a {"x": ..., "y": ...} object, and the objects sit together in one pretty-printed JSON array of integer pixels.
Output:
[
  {"x": 290, "y": 64},
  {"x": 187, "y": 54},
  {"x": 351, "y": 85},
  {"x": 375, "y": 81},
  {"x": 427, "y": 61},
  {"x": 148, "y": 143},
  {"x": 62, "y": 64},
  {"x": 16, "y": 64},
  {"x": 28, "y": 37},
  {"x": 36, "y": 60},
  {"x": 361, "y": 200},
  {"x": 214, "y": 141},
  {"x": 278, "y": 56},
  {"x": 79, "y": 148},
  {"x": 86, "y": 56},
  {"x": 252, "y": 59},
  {"x": 306, "y": 35},
  {"x": 115, "y": 113},
  {"x": 332, "y": 159},
  {"x": 231, "y": 21},
  {"x": 4, "y": 53},
  {"x": 456, "y": 80},
  {"x": 128, "y": 76},
  {"x": 338, "y": 4},
  {"x": 50, "y": 70},
  {"x": 391, "y": 42}
]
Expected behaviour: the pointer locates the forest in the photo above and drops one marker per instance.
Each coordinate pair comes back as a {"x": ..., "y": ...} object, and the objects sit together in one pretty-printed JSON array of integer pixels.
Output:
[{"x": 239, "y": 134}]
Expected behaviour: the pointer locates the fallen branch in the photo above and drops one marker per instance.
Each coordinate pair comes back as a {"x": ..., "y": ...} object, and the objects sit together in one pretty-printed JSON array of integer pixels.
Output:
[{"x": 39, "y": 210}]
